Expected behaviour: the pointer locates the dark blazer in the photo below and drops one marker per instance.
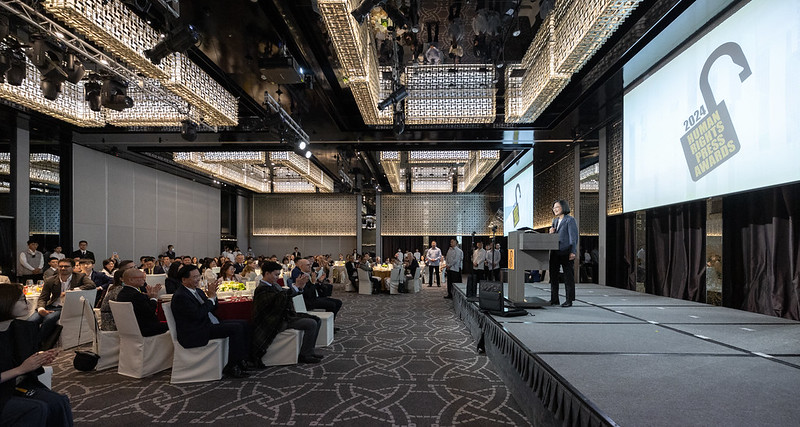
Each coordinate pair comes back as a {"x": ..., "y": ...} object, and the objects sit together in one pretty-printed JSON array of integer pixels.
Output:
[
  {"x": 567, "y": 235},
  {"x": 237, "y": 268},
  {"x": 51, "y": 290},
  {"x": 78, "y": 254},
  {"x": 412, "y": 267},
  {"x": 145, "y": 310},
  {"x": 101, "y": 279},
  {"x": 192, "y": 324}
]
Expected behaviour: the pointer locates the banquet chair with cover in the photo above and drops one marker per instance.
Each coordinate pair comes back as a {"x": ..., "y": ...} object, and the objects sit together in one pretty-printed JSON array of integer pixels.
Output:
[
  {"x": 107, "y": 343},
  {"x": 46, "y": 377},
  {"x": 325, "y": 336},
  {"x": 139, "y": 356},
  {"x": 190, "y": 365},
  {"x": 71, "y": 319},
  {"x": 157, "y": 279},
  {"x": 393, "y": 281},
  {"x": 285, "y": 348},
  {"x": 415, "y": 285},
  {"x": 364, "y": 282}
]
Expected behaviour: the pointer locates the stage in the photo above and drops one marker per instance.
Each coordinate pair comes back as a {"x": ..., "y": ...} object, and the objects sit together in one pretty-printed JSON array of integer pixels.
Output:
[{"x": 622, "y": 357}]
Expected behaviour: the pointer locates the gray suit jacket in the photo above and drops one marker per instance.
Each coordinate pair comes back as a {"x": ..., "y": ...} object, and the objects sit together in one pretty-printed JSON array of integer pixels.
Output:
[{"x": 567, "y": 235}]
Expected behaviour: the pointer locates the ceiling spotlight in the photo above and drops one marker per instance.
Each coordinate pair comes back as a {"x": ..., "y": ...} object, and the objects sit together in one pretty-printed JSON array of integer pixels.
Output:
[
  {"x": 302, "y": 145},
  {"x": 398, "y": 95},
  {"x": 74, "y": 69},
  {"x": 113, "y": 95},
  {"x": 12, "y": 66},
  {"x": 179, "y": 39},
  {"x": 362, "y": 11},
  {"x": 92, "y": 94},
  {"x": 308, "y": 154},
  {"x": 188, "y": 130},
  {"x": 48, "y": 57}
]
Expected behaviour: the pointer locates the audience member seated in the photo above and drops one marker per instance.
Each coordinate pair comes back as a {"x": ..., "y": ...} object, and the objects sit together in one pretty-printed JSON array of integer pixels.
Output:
[
  {"x": 150, "y": 266},
  {"x": 165, "y": 262},
  {"x": 100, "y": 280},
  {"x": 411, "y": 266},
  {"x": 195, "y": 322},
  {"x": 274, "y": 312},
  {"x": 109, "y": 265},
  {"x": 227, "y": 273},
  {"x": 52, "y": 270},
  {"x": 239, "y": 265},
  {"x": 249, "y": 272},
  {"x": 316, "y": 293},
  {"x": 144, "y": 306},
  {"x": 173, "y": 279},
  {"x": 24, "y": 401},
  {"x": 365, "y": 265},
  {"x": 350, "y": 267},
  {"x": 48, "y": 307},
  {"x": 106, "y": 318}
]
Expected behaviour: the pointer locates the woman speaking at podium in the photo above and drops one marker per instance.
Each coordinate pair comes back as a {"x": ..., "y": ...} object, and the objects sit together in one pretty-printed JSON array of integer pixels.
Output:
[{"x": 567, "y": 229}]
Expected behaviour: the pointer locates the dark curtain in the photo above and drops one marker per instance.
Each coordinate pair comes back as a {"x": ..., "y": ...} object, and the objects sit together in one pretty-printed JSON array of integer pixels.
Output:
[
  {"x": 621, "y": 251},
  {"x": 406, "y": 243},
  {"x": 761, "y": 251},
  {"x": 676, "y": 248}
]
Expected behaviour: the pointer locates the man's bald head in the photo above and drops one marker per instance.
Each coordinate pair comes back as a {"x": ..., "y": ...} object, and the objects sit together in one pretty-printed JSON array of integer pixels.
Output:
[
  {"x": 132, "y": 274},
  {"x": 304, "y": 265}
]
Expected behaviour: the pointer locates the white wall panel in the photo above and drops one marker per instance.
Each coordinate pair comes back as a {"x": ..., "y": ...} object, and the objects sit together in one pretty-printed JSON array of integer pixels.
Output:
[
  {"x": 145, "y": 214},
  {"x": 119, "y": 191},
  {"x": 135, "y": 210}
]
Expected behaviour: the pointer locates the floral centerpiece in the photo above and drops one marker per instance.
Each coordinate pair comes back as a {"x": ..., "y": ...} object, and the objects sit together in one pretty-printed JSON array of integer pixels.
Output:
[{"x": 231, "y": 286}]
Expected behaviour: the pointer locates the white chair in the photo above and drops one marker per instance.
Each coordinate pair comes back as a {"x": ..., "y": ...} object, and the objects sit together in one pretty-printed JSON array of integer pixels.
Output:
[
  {"x": 107, "y": 344},
  {"x": 46, "y": 377},
  {"x": 139, "y": 356},
  {"x": 191, "y": 365},
  {"x": 393, "y": 281},
  {"x": 325, "y": 336},
  {"x": 415, "y": 284},
  {"x": 348, "y": 284},
  {"x": 364, "y": 282},
  {"x": 157, "y": 279},
  {"x": 285, "y": 348},
  {"x": 71, "y": 319}
]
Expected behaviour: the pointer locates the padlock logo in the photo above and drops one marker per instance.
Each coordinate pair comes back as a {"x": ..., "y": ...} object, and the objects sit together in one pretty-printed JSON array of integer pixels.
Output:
[
  {"x": 517, "y": 195},
  {"x": 711, "y": 138}
]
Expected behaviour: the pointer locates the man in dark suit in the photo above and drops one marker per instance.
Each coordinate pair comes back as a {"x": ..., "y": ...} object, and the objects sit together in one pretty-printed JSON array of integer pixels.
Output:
[
  {"x": 196, "y": 324},
  {"x": 296, "y": 254},
  {"x": 239, "y": 265},
  {"x": 567, "y": 229},
  {"x": 315, "y": 293},
  {"x": 82, "y": 252},
  {"x": 274, "y": 312},
  {"x": 170, "y": 252},
  {"x": 48, "y": 307},
  {"x": 150, "y": 266},
  {"x": 101, "y": 280},
  {"x": 144, "y": 306}
]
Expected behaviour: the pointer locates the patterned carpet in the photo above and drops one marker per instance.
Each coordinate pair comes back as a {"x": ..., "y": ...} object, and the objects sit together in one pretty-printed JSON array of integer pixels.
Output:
[{"x": 398, "y": 360}]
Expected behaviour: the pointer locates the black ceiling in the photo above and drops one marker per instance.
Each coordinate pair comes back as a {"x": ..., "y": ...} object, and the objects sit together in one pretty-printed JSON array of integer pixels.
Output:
[{"x": 236, "y": 34}]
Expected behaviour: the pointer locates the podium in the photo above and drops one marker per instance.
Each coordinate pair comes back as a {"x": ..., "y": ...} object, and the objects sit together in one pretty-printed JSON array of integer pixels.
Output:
[{"x": 527, "y": 251}]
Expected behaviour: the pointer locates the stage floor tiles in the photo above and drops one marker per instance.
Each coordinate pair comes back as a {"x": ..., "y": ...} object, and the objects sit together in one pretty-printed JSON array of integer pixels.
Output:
[{"x": 649, "y": 360}]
